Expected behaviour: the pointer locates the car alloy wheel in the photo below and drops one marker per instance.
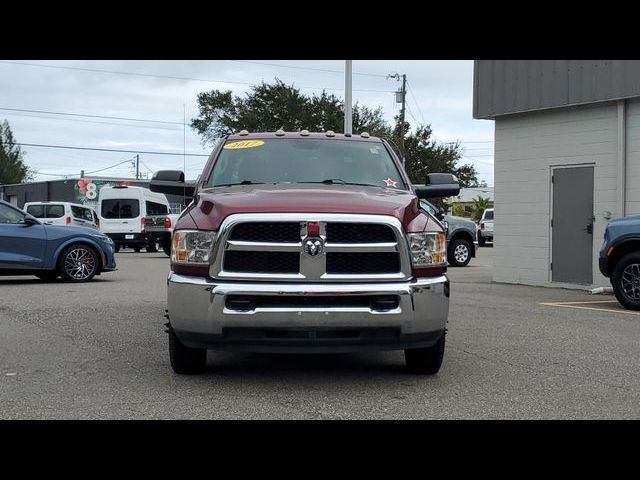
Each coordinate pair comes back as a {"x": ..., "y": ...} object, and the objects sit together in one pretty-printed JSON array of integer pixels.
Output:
[
  {"x": 631, "y": 281},
  {"x": 80, "y": 263},
  {"x": 461, "y": 253}
]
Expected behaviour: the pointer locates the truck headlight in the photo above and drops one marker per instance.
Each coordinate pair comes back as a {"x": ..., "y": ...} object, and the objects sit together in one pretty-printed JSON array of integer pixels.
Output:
[
  {"x": 192, "y": 247},
  {"x": 428, "y": 249}
]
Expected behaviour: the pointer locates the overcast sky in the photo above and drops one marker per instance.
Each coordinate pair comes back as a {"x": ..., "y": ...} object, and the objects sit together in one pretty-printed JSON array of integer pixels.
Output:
[{"x": 440, "y": 94}]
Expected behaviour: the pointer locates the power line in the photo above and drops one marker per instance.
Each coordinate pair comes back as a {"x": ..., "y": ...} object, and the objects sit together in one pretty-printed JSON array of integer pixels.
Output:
[
  {"x": 129, "y": 125},
  {"x": 479, "y": 161},
  {"x": 416, "y": 103},
  {"x": 309, "y": 68},
  {"x": 88, "y": 115},
  {"x": 116, "y": 72},
  {"x": 95, "y": 149},
  {"x": 107, "y": 168},
  {"x": 412, "y": 116},
  {"x": 146, "y": 166},
  {"x": 86, "y": 173}
]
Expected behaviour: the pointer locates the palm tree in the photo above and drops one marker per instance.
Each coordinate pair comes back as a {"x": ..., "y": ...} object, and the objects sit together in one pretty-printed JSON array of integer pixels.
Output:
[{"x": 480, "y": 205}]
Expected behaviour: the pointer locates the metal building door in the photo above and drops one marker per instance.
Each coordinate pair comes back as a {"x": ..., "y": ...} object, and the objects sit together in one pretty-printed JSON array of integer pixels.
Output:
[{"x": 572, "y": 225}]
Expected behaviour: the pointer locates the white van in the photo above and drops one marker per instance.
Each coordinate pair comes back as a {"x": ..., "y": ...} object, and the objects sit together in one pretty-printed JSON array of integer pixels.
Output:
[
  {"x": 62, "y": 213},
  {"x": 135, "y": 217}
]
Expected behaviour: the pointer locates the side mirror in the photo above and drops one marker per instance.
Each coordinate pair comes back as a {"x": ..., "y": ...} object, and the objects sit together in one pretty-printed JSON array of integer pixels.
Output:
[
  {"x": 29, "y": 220},
  {"x": 438, "y": 185},
  {"x": 171, "y": 182}
]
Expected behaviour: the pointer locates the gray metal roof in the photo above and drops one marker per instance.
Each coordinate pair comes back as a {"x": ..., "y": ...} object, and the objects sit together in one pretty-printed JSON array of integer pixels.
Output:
[{"x": 502, "y": 87}]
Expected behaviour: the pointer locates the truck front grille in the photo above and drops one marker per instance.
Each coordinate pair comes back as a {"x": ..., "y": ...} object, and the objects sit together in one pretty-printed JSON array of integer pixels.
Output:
[
  {"x": 359, "y": 233},
  {"x": 363, "y": 262},
  {"x": 262, "y": 262},
  {"x": 285, "y": 232},
  {"x": 345, "y": 248}
]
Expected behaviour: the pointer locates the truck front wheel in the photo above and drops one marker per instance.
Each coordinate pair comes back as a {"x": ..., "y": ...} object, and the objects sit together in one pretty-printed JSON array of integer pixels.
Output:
[
  {"x": 625, "y": 280},
  {"x": 459, "y": 253},
  {"x": 425, "y": 360},
  {"x": 185, "y": 360}
]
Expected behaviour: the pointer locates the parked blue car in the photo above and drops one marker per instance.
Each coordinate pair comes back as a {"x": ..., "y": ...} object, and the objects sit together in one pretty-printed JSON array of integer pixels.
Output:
[
  {"x": 28, "y": 247},
  {"x": 620, "y": 259}
]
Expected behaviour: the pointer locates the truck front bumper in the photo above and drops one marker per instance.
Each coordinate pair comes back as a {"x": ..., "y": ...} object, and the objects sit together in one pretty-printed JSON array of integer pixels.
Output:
[{"x": 307, "y": 318}]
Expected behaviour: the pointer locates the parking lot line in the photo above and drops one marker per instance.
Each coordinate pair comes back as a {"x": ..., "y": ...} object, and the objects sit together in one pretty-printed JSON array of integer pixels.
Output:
[{"x": 582, "y": 306}]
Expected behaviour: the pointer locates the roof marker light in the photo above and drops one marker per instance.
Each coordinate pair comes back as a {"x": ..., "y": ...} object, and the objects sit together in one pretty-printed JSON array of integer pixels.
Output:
[
  {"x": 330, "y": 133},
  {"x": 304, "y": 133},
  {"x": 244, "y": 132},
  {"x": 280, "y": 132},
  {"x": 364, "y": 134}
]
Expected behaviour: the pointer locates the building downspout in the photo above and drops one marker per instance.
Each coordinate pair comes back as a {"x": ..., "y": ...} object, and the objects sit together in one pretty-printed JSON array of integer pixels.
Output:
[{"x": 622, "y": 158}]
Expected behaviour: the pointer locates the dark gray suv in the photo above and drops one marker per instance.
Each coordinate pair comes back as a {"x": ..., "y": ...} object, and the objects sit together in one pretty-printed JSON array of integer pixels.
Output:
[{"x": 461, "y": 235}]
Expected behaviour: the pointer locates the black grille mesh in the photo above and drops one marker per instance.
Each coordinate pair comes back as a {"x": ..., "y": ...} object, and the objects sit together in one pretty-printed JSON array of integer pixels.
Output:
[
  {"x": 262, "y": 262},
  {"x": 359, "y": 233},
  {"x": 362, "y": 262},
  {"x": 280, "y": 232}
]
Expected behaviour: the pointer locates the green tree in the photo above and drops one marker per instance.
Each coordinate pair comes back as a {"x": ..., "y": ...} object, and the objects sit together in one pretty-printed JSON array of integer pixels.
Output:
[
  {"x": 425, "y": 155},
  {"x": 12, "y": 166},
  {"x": 480, "y": 204},
  {"x": 269, "y": 107}
]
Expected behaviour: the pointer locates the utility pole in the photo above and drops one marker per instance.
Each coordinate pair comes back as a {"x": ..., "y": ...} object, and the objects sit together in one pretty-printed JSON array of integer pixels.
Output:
[
  {"x": 401, "y": 96},
  {"x": 403, "y": 92},
  {"x": 137, "y": 166},
  {"x": 347, "y": 97}
]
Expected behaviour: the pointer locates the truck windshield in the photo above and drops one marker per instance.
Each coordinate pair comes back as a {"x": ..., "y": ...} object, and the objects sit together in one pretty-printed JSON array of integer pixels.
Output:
[{"x": 305, "y": 161}]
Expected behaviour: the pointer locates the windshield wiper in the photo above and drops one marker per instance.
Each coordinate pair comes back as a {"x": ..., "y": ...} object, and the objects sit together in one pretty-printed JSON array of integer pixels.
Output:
[
  {"x": 244, "y": 182},
  {"x": 334, "y": 181}
]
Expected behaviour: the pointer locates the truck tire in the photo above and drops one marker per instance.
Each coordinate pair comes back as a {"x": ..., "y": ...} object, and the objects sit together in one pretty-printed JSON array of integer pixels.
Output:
[
  {"x": 481, "y": 242},
  {"x": 137, "y": 248},
  {"x": 117, "y": 248},
  {"x": 459, "y": 253},
  {"x": 166, "y": 248},
  {"x": 185, "y": 360},
  {"x": 78, "y": 263},
  {"x": 625, "y": 281},
  {"x": 152, "y": 247},
  {"x": 425, "y": 360}
]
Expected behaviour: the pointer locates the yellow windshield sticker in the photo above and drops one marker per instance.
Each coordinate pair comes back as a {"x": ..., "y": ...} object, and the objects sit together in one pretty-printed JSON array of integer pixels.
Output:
[{"x": 244, "y": 144}]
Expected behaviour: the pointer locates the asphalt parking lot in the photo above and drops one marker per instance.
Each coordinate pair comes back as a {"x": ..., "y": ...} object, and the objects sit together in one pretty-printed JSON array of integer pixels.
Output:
[{"x": 98, "y": 350}]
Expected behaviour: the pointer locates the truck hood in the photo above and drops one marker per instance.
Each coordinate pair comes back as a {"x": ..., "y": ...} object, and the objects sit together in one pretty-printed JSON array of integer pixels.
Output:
[
  {"x": 213, "y": 205},
  {"x": 625, "y": 221},
  {"x": 455, "y": 218}
]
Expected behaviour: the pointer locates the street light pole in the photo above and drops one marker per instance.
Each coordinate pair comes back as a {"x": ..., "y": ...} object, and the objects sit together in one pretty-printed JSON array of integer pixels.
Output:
[{"x": 347, "y": 97}]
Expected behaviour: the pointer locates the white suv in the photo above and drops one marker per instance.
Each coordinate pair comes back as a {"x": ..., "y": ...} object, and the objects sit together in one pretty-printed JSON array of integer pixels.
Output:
[
  {"x": 62, "y": 213},
  {"x": 485, "y": 232}
]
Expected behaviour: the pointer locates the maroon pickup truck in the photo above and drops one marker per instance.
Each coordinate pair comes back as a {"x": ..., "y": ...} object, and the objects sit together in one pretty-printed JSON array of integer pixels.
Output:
[{"x": 306, "y": 242}]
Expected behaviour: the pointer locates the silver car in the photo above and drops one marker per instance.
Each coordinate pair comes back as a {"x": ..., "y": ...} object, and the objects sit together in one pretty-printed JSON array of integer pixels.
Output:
[{"x": 461, "y": 235}]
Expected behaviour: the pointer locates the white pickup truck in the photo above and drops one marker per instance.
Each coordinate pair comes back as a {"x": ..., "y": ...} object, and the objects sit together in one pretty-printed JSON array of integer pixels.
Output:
[{"x": 485, "y": 227}]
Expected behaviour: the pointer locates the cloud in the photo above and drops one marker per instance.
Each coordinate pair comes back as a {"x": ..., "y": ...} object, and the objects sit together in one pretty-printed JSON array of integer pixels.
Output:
[{"x": 440, "y": 94}]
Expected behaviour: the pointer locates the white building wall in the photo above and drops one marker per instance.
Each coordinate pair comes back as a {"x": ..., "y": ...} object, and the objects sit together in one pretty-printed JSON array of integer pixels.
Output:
[
  {"x": 527, "y": 146},
  {"x": 633, "y": 158}
]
